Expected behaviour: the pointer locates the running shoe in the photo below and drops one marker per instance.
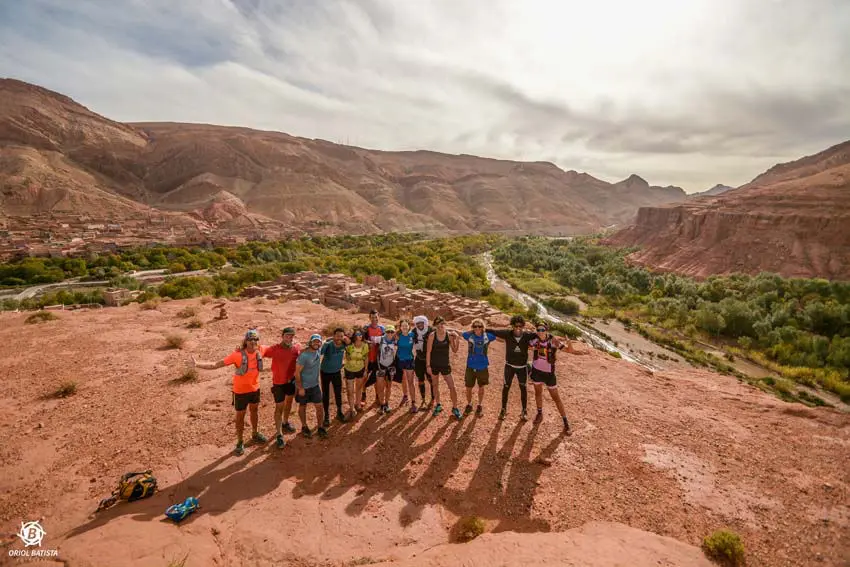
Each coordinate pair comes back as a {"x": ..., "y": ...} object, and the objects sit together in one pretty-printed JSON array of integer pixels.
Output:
[
  {"x": 323, "y": 434},
  {"x": 404, "y": 400},
  {"x": 539, "y": 417},
  {"x": 502, "y": 413},
  {"x": 326, "y": 422},
  {"x": 524, "y": 415},
  {"x": 438, "y": 409},
  {"x": 259, "y": 437},
  {"x": 413, "y": 408},
  {"x": 468, "y": 409},
  {"x": 240, "y": 449},
  {"x": 340, "y": 417},
  {"x": 280, "y": 442},
  {"x": 456, "y": 413},
  {"x": 305, "y": 431},
  {"x": 288, "y": 427},
  {"x": 567, "y": 430},
  {"x": 387, "y": 408},
  {"x": 479, "y": 412}
]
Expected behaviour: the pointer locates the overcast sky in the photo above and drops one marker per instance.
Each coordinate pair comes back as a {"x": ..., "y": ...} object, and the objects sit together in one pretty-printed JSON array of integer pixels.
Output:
[{"x": 682, "y": 92}]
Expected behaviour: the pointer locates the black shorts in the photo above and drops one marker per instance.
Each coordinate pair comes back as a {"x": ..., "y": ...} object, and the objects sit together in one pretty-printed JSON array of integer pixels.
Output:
[
  {"x": 241, "y": 401},
  {"x": 283, "y": 391},
  {"x": 546, "y": 378},
  {"x": 444, "y": 370},
  {"x": 372, "y": 373},
  {"x": 311, "y": 396},
  {"x": 419, "y": 367},
  {"x": 349, "y": 375},
  {"x": 405, "y": 364},
  {"x": 387, "y": 372}
]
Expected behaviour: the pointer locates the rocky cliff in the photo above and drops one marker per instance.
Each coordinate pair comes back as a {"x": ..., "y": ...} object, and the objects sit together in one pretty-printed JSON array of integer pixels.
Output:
[{"x": 793, "y": 220}]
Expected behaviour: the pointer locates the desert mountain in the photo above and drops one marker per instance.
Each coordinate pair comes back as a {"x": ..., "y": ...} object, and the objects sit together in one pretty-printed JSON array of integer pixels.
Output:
[
  {"x": 792, "y": 220},
  {"x": 56, "y": 155},
  {"x": 713, "y": 192}
]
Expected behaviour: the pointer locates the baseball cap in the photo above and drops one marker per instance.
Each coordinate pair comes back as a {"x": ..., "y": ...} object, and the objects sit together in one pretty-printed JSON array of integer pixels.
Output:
[
  {"x": 288, "y": 331},
  {"x": 315, "y": 337},
  {"x": 252, "y": 334},
  {"x": 389, "y": 329}
]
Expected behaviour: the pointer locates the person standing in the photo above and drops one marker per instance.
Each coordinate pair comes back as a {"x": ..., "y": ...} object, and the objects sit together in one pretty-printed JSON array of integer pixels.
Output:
[
  {"x": 248, "y": 360},
  {"x": 387, "y": 350},
  {"x": 405, "y": 363},
  {"x": 439, "y": 364},
  {"x": 372, "y": 334},
  {"x": 544, "y": 352},
  {"x": 283, "y": 355},
  {"x": 307, "y": 385},
  {"x": 356, "y": 356},
  {"x": 332, "y": 353},
  {"x": 477, "y": 364},
  {"x": 516, "y": 362},
  {"x": 420, "y": 338}
]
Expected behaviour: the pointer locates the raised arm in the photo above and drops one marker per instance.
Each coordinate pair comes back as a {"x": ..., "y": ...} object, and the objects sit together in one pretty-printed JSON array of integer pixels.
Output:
[{"x": 500, "y": 333}]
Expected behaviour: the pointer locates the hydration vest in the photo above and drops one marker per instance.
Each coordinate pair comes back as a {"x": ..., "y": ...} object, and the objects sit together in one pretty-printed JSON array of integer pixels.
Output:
[
  {"x": 484, "y": 343},
  {"x": 545, "y": 347},
  {"x": 243, "y": 369}
]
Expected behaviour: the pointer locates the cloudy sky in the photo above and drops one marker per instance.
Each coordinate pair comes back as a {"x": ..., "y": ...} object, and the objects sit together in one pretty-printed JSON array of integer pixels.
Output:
[{"x": 682, "y": 92}]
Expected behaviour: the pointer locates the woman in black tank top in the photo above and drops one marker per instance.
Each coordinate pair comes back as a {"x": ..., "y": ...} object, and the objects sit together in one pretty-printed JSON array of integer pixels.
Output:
[{"x": 437, "y": 359}]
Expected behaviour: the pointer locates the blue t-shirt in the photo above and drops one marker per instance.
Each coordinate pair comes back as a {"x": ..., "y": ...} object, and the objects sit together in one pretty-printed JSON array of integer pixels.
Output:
[
  {"x": 476, "y": 359},
  {"x": 332, "y": 356},
  {"x": 310, "y": 360},
  {"x": 405, "y": 346}
]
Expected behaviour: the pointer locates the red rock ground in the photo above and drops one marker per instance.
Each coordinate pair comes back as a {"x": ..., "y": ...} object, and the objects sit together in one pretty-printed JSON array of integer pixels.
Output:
[{"x": 679, "y": 453}]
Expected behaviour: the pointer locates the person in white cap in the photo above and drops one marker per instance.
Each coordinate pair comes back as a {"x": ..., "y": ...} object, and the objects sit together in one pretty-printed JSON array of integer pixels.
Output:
[
  {"x": 387, "y": 350},
  {"x": 307, "y": 386}
]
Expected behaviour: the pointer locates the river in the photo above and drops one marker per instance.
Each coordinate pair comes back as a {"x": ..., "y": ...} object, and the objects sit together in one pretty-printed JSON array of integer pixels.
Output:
[{"x": 588, "y": 333}]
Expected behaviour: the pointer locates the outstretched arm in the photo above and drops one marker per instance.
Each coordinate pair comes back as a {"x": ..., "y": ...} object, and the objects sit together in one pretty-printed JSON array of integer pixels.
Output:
[{"x": 207, "y": 365}]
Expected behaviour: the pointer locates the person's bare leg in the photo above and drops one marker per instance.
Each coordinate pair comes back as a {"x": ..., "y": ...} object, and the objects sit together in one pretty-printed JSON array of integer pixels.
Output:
[
  {"x": 240, "y": 425},
  {"x": 404, "y": 393},
  {"x": 320, "y": 414},
  {"x": 388, "y": 391},
  {"x": 351, "y": 390},
  {"x": 359, "y": 395},
  {"x": 556, "y": 397},
  {"x": 287, "y": 408},
  {"x": 302, "y": 414},
  {"x": 278, "y": 418},
  {"x": 538, "y": 396},
  {"x": 380, "y": 389},
  {"x": 481, "y": 395},
  {"x": 253, "y": 410},
  {"x": 435, "y": 388},
  {"x": 452, "y": 390},
  {"x": 410, "y": 381},
  {"x": 469, "y": 396}
]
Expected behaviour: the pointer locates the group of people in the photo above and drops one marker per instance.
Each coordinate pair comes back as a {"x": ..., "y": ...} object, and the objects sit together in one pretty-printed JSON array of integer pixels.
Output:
[{"x": 377, "y": 355}]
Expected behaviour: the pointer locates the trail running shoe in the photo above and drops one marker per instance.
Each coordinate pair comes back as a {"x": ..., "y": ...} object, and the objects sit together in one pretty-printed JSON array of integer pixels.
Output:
[
  {"x": 288, "y": 427},
  {"x": 479, "y": 412},
  {"x": 567, "y": 430},
  {"x": 468, "y": 409},
  {"x": 413, "y": 408},
  {"x": 524, "y": 415},
  {"x": 502, "y": 413},
  {"x": 456, "y": 413},
  {"x": 326, "y": 422},
  {"x": 539, "y": 417},
  {"x": 259, "y": 437},
  {"x": 340, "y": 417},
  {"x": 438, "y": 409},
  {"x": 240, "y": 449},
  {"x": 323, "y": 434},
  {"x": 404, "y": 400},
  {"x": 280, "y": 442},
  {"x": 424, "y": 404},
  {"x": 305, "y": 431},
  {"x": 387, "y": 408}
]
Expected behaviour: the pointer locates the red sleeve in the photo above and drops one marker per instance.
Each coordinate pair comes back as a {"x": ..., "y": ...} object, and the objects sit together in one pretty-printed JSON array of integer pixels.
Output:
[{"x": 268, "y": 352}]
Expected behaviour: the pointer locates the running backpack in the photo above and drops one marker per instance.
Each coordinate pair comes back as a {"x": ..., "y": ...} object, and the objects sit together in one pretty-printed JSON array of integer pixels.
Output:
[
  {"x": 545, "y": 349},
  {"x": 132, "y": 486},
  {"x": 243, "y": 368}
]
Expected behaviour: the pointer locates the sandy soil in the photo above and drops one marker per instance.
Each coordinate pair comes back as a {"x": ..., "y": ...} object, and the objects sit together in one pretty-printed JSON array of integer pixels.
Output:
[{"x": 679, "y": 453}]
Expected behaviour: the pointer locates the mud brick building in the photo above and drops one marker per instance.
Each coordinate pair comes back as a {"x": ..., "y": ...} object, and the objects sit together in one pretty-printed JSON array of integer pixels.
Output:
[{"x": 391, "y": 299}]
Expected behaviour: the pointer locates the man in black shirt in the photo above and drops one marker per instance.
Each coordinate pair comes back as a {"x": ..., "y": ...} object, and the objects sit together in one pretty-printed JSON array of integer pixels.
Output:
[{"x": 516, "y": 361}]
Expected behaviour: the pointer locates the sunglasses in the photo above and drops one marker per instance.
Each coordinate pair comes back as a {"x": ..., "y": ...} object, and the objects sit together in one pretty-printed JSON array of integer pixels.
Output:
[
  {"x": 390, "y": 332},
  {"x": 541, "y": 329},
  {"x": 251, "y": 340},
  {"x": 478, "y": 326}
]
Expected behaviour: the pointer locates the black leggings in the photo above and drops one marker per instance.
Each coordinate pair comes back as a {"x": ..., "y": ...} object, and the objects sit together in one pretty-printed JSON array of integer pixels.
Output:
[
  {"x": 522, "y": 378},
  {"x": 334, "y": 378}
]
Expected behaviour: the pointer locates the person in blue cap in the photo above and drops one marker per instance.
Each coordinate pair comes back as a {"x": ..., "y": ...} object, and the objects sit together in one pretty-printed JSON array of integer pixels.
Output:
[{"x": 308, "y": 390}]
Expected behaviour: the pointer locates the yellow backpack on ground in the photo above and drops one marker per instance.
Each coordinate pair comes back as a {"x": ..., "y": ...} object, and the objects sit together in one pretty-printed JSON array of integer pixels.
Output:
[{"x": 132, "y": 486}]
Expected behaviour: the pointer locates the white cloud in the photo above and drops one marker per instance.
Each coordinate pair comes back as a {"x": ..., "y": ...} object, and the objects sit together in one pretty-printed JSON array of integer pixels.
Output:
[{"x": 687, "y": 93}]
